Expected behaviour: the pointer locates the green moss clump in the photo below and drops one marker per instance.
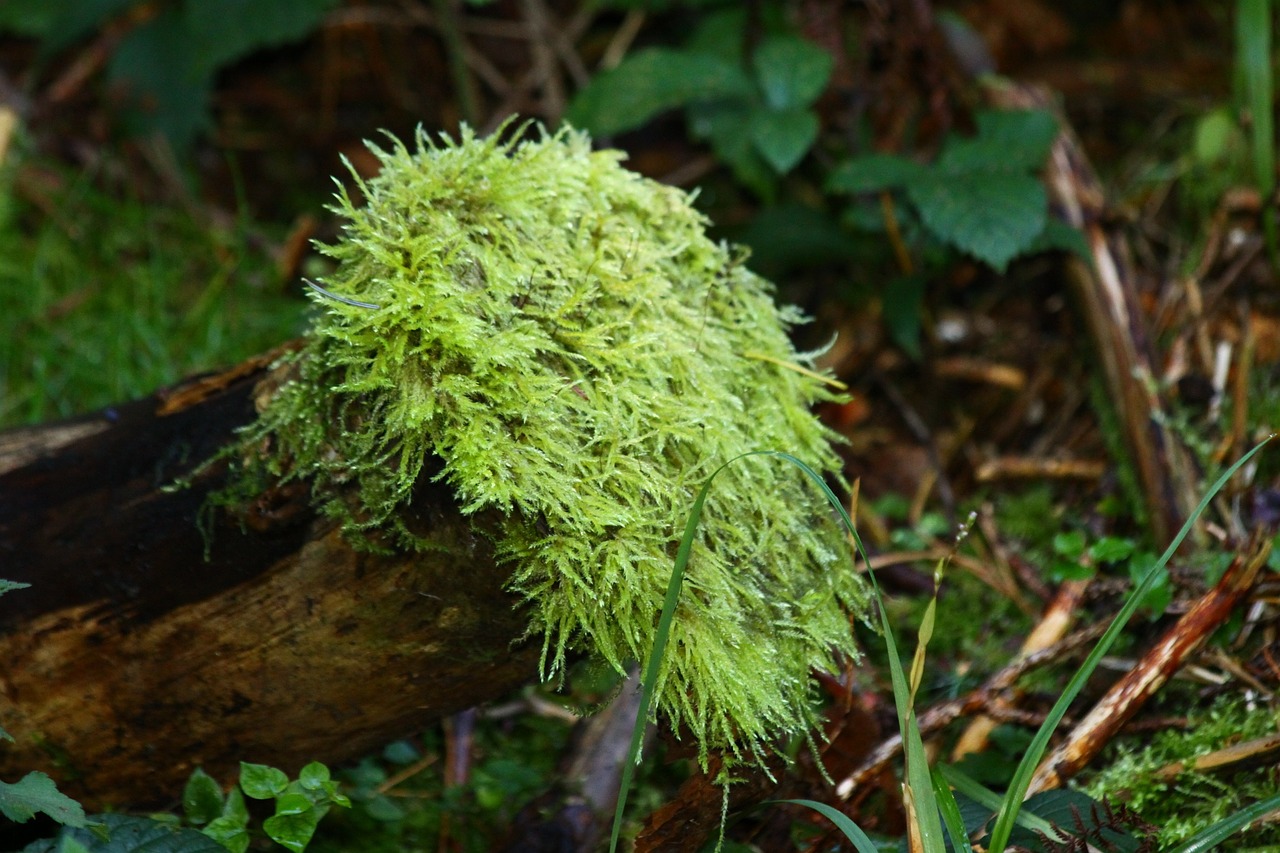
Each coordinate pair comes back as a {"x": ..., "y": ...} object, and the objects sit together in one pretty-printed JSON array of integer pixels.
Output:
[{"x": 561, "y": 335}]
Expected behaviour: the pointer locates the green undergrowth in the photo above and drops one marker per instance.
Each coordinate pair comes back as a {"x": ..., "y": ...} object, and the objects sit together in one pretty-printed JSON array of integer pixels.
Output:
[
  {"x": 557, "y": 339},
  {"x": 1183, "y": 805},
  {"x": 105, "y": 297}
]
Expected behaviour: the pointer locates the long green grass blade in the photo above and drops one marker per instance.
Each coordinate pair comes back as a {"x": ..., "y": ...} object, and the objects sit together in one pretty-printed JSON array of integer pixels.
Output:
[
  {"x": 654, "y": 664},
  {"x": 1209, "y": 838},
  {"x": 1026, "y": 768},
  {"x": 851, "y": 830},
  {"x": 950, "y": 809},
  {"x": 1254, "y": 68},
  {"x": 981, "y": 794}
]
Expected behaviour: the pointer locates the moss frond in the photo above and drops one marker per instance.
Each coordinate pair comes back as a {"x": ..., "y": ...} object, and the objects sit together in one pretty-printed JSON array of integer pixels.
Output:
[{"x": 558, "y": 338}]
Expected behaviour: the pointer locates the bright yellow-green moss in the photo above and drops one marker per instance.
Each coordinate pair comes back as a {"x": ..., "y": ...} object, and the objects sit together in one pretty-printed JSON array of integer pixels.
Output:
[{"x": 560, "y": 341}]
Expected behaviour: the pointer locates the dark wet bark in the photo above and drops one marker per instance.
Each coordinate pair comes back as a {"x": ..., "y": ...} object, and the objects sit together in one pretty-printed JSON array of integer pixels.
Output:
[{"x": 135, "y": 657}]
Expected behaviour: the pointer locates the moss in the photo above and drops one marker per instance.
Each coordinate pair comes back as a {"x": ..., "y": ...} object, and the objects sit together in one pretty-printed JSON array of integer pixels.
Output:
[
  {"x": 557, "y": 339},
  {"x": 1192, "y": 801}
]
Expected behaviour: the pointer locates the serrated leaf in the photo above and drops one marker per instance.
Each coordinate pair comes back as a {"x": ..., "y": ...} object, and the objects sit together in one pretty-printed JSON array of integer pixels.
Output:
[
  {"x": 725, "y": 127},
  {"x": 1058, "y": 236},
  {"x": 783, "y": 137},
  {"x": 166, "y": 91},
  {"x": 992, "y": 216},
  {"x": 791, "y": 71},
  {"x": 222, "y": 32},
  {"x": 650, "y": 82},
  {"x": 262, "y": 782},
  {"x": 1006, "y": 141},
  {"x": 202, "y": 799},
  {"x": 872, "y": 173},
  {"x": 36, "y": 793}
]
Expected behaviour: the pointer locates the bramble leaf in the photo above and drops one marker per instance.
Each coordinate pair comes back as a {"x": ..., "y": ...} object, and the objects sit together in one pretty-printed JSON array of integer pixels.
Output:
[
  {"x": 993, "y": 216},
  {"x": 783, "y": 137},
  {"x": 650, "y": 82},
  {"x": 791, "y": 71}
]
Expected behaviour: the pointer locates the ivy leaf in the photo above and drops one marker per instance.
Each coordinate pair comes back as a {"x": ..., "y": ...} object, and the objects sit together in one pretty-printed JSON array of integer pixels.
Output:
[
  {"x": 230, "y": 833},
  {"x": 262, "y": 782},
  {"x": 650, "y": 82},
  {"x": 294, "y": 822},
  {"x": 202, "y": 798},
  {"x": 783, "y": 137},
  {"x": 36, "y": 792},
  {"x": 791, "y": 71}
]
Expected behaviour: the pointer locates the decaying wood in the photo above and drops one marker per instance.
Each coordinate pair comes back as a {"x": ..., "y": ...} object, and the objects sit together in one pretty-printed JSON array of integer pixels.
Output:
[
  {"x": 133, "y": 658},
  {"x": 1157, "y": 666},
  {"x": 1107, "y": 296}
]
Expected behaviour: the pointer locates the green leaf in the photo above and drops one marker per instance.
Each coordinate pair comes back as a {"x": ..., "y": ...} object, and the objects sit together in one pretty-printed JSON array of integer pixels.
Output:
[
  {"x": 1007, "y": 141},
  {"x": 872, "y": 173},
  {"x": 1069, "y": 544},
  {"x": 166, "y": 91},
  {"x": 202, "y": 799},
  {"x": 58, "y": 22},
  {"x": 129, "y": 834},
  {"x": 1111, "y": 549},
  {"x": 726, "y": 127},
  {"x": 992, "y": 215},
  {"x": 791, "y": 235},
  {"x": 35, "y": 793},
  {"x": 316, "y": 783},
  {"x": 902, "y": 300},
  {"x": 783, "y": 137},
  {"x": 262, "y": 782},
  {"x": 230, "y": 833},
  {"x": 1058, "y": 236},
  {"x": 791, "y": 71},
  {"x": 10, "y": 586},
  {"x": 1216, "y": 134},
  {"x": 294, "y": 822},
  {"x": 222, "y": 32},
  {"x": 235, "y": 807},
  {"x": 650, "y": 82}
]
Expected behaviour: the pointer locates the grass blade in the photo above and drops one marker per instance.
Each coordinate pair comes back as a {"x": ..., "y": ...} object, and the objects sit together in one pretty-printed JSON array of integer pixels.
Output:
[
  {"x": 1026, "y": 768},
  {"x": 851, "y": 830},
  {"x": 950, "y": 809},
  {"x": 1208, "y": 839},
  {"x": 1253, "y": 67}
]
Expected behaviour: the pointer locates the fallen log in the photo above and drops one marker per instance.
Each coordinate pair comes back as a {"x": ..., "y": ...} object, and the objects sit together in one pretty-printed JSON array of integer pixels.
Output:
[{"x": 143, "y": 649}]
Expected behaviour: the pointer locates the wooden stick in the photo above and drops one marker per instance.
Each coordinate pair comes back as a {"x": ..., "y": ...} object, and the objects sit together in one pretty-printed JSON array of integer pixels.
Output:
[{"x": 1128, "y": 694}]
